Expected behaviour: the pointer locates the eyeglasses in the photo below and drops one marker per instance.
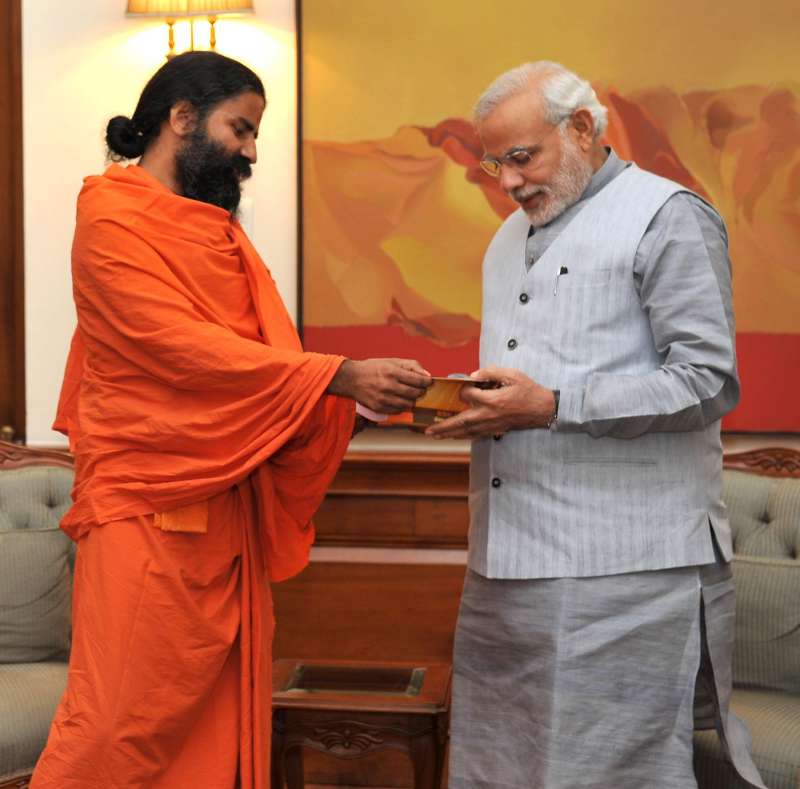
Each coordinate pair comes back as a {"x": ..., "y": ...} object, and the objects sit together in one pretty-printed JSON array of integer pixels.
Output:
[{"x": 518, "y": 157}]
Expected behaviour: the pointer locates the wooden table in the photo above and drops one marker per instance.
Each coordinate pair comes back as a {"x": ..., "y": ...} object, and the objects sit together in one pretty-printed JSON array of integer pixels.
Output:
[{"x": 348, "y": 709}]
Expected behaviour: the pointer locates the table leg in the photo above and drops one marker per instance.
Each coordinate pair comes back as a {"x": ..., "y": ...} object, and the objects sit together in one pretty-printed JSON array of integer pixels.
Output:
[
  {"x": 293, "y": 761},
  {"x": 277, "y": 752},
  {"x": 423, "y": 752}
]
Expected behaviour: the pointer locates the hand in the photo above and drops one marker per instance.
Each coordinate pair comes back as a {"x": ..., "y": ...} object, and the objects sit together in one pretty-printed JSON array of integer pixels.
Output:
[
  {"x": 518, "y": 404},
  {"x": 387, "y": 386}
]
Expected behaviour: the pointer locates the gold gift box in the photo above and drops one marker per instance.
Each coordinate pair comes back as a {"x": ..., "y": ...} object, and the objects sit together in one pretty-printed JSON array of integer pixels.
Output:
[{"x": 442, "y": 400}]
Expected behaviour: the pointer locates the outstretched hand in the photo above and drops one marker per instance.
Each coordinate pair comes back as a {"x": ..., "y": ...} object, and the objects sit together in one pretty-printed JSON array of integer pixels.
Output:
[
  {"x": 387, "y": 386},
  {"x": 518, "y": 403}
]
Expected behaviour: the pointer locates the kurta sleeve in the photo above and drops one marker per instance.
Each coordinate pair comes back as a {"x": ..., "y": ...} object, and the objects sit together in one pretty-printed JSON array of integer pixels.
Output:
[{"x": 683, "y": 276}]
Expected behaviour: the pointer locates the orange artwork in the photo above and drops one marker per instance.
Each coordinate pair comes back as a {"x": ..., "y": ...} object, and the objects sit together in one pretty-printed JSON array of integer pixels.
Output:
[{"x": 397, "y": 213}]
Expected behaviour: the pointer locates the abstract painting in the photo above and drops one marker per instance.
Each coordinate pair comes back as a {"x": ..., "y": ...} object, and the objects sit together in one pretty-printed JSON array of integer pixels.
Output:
[{"x": 396, "y": 212}]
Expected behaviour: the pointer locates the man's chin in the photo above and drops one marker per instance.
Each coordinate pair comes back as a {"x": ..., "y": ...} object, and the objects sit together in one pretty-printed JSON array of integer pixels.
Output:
[{"x": 544, "y": 213}]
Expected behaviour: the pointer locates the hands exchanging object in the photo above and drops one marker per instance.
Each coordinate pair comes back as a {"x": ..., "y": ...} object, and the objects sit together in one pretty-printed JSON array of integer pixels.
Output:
[
  {"x": 387, "y": 386},
  {"x": 518, "y": 403},
  {"x": 390, "y": 386}
]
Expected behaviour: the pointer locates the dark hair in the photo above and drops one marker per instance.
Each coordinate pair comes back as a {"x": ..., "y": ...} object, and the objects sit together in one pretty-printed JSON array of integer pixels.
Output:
[{"x": 204, "y": 79}]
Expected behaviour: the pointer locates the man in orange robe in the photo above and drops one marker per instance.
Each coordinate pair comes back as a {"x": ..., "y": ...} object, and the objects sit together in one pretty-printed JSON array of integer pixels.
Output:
[{"x": 204, "y": 440}]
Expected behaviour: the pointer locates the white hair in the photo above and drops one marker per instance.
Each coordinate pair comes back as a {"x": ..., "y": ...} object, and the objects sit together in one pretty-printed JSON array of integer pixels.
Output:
[{"x": 562, "y": 93}]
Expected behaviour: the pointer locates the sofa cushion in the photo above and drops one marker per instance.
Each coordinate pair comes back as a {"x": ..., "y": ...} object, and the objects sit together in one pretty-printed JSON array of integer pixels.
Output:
[
  {"x": 764, "y": 515},
  {"x": 29, "y": 694},
  {"x": 774, "y": 723},
  {"x": 34, "y": 497},
  {"x": 35, "y": 595},
  {"x": 766, "y": 651}
]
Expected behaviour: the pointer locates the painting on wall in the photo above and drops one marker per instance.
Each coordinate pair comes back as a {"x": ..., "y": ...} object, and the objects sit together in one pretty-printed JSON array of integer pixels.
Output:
[{"x": 396, "y": 212}]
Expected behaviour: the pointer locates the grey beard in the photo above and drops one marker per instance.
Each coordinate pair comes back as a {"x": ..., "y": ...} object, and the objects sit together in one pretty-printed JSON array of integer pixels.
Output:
[{"x": 565, "y": 188}]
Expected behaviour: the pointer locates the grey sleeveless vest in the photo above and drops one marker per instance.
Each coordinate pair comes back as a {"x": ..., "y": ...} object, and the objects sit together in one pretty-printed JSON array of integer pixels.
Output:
[{"x": 561, "y": 502}]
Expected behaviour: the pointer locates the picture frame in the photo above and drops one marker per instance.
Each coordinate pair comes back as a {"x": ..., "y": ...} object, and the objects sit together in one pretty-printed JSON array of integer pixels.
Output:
[{"x": 395, "y": 214}]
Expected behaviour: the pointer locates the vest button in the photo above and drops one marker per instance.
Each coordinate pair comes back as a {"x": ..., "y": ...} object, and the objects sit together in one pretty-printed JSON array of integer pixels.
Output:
[
  {"x": 512, "y": 343},
  {"x": 523, "y": 297},
  {"x": 496, "y": 482}
]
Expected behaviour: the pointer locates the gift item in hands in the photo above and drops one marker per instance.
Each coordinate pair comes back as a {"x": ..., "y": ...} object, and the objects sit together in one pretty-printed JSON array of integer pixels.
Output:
[{"x": 443, "y": 399}]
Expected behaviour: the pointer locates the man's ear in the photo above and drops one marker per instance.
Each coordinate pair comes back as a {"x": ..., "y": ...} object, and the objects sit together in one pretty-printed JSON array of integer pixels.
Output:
[
  {"x": 583, "y": 126},
  {"x": 183, "y": 118}
]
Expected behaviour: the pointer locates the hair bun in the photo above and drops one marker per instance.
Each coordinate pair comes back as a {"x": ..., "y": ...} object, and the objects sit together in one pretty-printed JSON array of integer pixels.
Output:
[{"x": 123, "y": 141}]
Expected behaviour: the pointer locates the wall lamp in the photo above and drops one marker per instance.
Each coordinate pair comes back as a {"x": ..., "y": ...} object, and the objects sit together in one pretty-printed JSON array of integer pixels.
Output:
[{"x": 172, "y": 10}]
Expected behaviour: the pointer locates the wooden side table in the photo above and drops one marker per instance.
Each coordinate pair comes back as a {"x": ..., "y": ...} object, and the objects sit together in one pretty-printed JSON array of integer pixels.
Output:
[{"x": 349, "y": 709}]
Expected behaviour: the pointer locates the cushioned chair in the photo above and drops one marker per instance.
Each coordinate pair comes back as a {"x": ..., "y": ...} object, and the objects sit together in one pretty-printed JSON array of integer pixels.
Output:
[
  {"x": 762, "y": 491},
  {"x": 35, "y": 601}
]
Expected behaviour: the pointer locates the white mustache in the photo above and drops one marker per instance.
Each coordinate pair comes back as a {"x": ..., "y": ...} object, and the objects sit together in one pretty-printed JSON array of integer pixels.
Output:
[{"x": 521, "y": 196}]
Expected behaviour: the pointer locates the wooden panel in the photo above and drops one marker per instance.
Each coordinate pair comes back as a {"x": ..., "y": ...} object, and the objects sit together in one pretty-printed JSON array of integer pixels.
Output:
[
  {"x": 397, "y": 500},
  {"x": 393, "y": 521},
  {"x": 768, "y": 462},
  {"x": 12, "y": 318},
  {"x": 16, "y": 783},
  {"x": 340, "y": 611},
  {"x": 18, "y": 456}
]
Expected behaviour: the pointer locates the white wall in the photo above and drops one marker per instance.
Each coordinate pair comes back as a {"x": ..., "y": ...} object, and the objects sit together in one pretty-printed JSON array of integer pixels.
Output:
[{"x": 79, "y": 69}]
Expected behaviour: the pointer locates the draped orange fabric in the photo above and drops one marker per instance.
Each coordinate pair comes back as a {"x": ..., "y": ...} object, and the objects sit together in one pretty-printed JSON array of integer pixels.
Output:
[
  {"x": 186, "y": 374},
  {"x": 204, "y": 441},
  {"x": 170, "y": 669}
]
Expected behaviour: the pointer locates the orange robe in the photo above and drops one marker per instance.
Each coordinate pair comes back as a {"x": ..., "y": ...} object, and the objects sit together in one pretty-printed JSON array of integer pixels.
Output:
[{"x": 204, "y": 442}]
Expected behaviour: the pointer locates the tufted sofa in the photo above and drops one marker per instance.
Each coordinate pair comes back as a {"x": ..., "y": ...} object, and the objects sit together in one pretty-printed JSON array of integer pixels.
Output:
[
  {"x": 35, "y": 601},
  {"x": 762, "y": 492}
]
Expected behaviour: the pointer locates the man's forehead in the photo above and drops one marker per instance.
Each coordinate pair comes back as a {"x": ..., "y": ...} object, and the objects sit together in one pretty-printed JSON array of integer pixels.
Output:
[
  {"x": 249, "y": 106},
  {"x": 517, "y": 120}
]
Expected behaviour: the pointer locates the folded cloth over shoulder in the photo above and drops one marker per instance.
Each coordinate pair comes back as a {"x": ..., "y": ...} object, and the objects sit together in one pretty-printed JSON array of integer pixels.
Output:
[{"x": 186, "y": 375}]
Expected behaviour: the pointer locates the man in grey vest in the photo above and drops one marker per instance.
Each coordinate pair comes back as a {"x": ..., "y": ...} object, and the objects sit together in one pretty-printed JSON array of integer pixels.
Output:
[{"x": 598, "y": 594}]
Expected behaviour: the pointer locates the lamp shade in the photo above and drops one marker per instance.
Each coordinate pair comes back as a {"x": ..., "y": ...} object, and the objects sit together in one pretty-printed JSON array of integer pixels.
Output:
[{"x": 179, "y": 8}]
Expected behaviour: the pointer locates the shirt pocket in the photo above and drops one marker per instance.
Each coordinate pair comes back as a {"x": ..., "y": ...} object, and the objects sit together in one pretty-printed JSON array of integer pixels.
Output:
[{"x": 584, "y": 278}]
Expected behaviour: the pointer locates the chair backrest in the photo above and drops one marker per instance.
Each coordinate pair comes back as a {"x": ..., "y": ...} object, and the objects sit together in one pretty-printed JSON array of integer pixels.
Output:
[
  {"x": 35, "y": 556},
  {"x": 762, "y": 492}
]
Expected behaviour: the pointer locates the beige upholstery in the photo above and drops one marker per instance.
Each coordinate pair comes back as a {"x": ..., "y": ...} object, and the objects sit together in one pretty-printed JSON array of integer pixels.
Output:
[
  {"x": 35, "y": 601},
  {"x": 765, "y": 520}
]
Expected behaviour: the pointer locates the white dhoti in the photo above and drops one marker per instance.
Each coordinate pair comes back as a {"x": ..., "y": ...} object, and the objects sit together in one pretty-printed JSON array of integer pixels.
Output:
[{"x": 589, "y": 683}]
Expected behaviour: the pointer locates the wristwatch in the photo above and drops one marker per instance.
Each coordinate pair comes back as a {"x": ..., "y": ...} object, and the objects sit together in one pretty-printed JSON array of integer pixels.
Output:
[{"x": 551, "y": 425}]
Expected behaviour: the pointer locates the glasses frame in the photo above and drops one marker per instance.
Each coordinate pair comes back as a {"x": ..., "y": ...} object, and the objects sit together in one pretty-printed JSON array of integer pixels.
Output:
[{"x": 493, "y": 165}]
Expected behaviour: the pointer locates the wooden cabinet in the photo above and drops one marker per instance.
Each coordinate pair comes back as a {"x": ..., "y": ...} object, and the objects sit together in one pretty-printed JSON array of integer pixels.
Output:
[{"x": 394, "y": 601}]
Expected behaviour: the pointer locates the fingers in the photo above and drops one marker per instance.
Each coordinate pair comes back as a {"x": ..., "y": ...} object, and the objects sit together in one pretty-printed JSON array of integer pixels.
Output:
[
  {"x": 391, "y": 404},
  {"x": 412, "y": 373},
  {"x": 502, "y": 376},
  {"x": 487, "y": 373},
  {"x": 419, "y": 383},
  {"x": 473, "y": 396},
  {"x": 402, "y": 392},
  {"x": 473, "y": 423},
  {"x": 410, "y": 393},
  {"x": 453, "y": 427},
  {"x": 413, "y": 365}
]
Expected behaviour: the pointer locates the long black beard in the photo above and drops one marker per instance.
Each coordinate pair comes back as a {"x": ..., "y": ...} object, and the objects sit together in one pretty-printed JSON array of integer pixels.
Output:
[{"x": 206, "y": 171}]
